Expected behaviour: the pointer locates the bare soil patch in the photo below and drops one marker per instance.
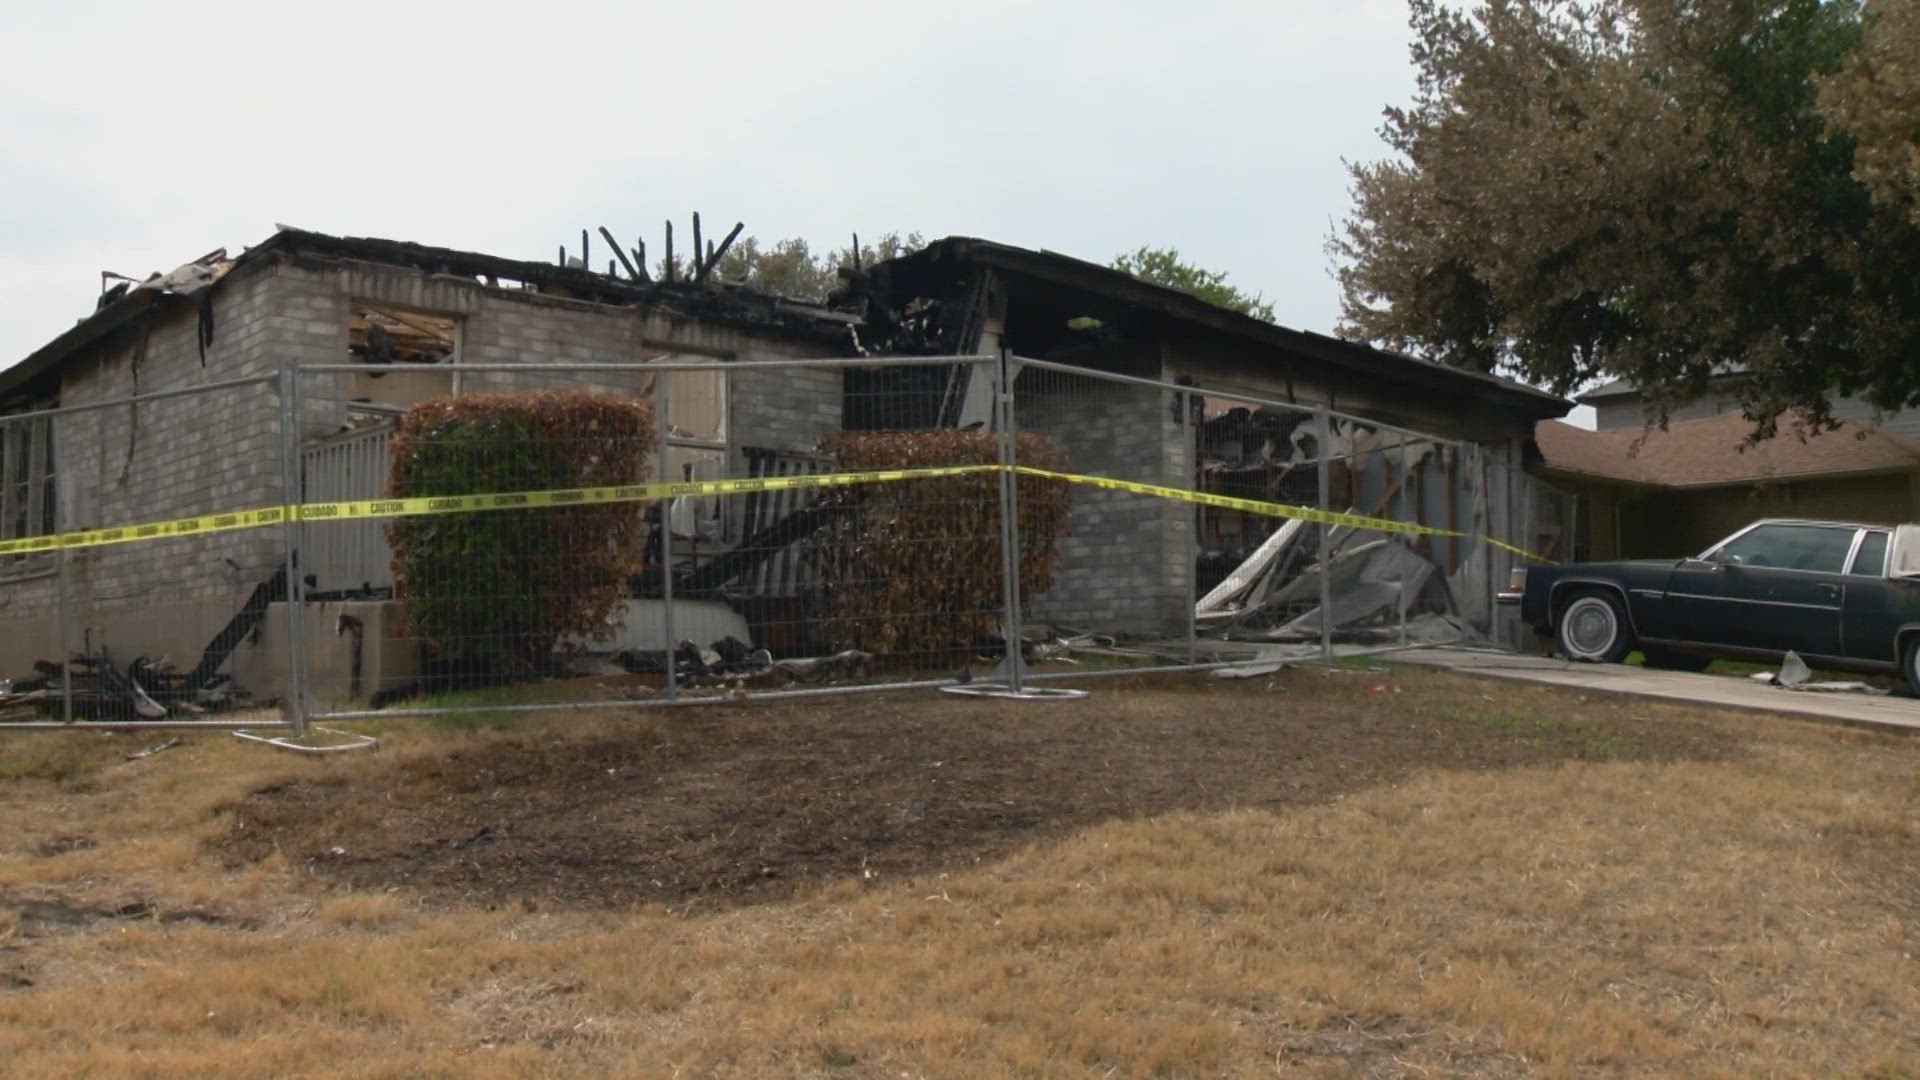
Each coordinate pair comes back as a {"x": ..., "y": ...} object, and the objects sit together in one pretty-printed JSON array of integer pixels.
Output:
[{"x": 740, "y": 804}]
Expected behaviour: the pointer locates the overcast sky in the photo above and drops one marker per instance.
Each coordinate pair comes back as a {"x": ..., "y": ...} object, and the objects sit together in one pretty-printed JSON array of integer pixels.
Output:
[{"x": 138, "y": 136}]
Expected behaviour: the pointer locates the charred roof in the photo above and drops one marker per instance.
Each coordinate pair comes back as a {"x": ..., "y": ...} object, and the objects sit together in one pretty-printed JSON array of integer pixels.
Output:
[
  {"x": 1053, "y": 288},
  {"x": 130, "y": 303}
]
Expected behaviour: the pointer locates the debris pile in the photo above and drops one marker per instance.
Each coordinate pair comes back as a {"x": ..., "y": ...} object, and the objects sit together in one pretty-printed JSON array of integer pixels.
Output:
[
  {"x": 1380, "y": 590},
  {"x": 148, "y": 689}
]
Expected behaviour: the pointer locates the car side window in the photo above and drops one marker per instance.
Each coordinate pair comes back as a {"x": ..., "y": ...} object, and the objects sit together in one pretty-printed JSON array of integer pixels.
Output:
[
  {"x": 1872, "y": 558},
  {"x": 1818, "y": 548}
]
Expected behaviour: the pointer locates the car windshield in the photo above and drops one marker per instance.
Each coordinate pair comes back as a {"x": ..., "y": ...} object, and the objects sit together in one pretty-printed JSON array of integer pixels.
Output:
[{"x": 1782, "y": 546}]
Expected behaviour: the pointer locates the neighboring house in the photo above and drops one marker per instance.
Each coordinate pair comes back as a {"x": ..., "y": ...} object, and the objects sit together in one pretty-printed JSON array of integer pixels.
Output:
[
  {"x": 414, "y": 315},
  {"x": 1618, "y": 405},
  {"x": 1672, "y": 493}
]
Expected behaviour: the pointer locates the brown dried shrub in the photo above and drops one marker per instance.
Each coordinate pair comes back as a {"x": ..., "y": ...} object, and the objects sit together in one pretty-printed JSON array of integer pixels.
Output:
[
  {"x": 499, "y": 587},
  {"x": 914, "y": 566}
]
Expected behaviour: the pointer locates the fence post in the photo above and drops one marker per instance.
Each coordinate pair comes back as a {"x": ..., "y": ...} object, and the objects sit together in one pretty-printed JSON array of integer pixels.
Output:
[
  {"x": 62, "y": 616},
  {"x": 1322, "y": 538},
  {"x": 1189, "y": 458},
  {"x": 665, "y": 505},
  {"x": 1488, "y": 475},
  {"x": 1008, "y": 457},
  {"x": 1409, "y": 514},
  {"x": 291, "y": 498}
]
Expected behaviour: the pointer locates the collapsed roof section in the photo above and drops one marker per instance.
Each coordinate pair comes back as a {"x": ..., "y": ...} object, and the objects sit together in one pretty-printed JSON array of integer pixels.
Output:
[{"x": 129, "y": 303}]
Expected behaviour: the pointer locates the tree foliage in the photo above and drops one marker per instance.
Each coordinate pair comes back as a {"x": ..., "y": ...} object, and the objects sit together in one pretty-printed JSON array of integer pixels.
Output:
[
  {"x": 1656, "y": 190},
  {"x": 791, "y": 268},
  {"x": 1163, "y": 266},
  {"x": 495, "y": 590},
  {"x": 1876, "y": 98}
]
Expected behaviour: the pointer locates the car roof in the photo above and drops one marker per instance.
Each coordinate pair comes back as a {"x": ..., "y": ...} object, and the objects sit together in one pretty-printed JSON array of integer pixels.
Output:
[{"x": 1813, "y": 521}]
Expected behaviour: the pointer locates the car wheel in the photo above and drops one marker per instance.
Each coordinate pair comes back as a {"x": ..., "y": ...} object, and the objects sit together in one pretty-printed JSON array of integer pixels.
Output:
[
  {"x": 1675, "y": 661},
  {"x": 1910, "y": 664},
  {"x": 1593, "y": 627}
]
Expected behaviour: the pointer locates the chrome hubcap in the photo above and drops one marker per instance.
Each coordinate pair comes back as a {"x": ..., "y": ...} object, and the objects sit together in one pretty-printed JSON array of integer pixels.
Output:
[{"x": 1590, "y": 628}]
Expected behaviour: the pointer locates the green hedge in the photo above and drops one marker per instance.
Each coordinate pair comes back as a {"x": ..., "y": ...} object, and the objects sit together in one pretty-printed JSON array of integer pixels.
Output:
[{"x": 500, "y": 587}]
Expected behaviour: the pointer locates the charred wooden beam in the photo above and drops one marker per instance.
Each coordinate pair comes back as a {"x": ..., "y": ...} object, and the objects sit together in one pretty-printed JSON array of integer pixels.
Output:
[
  {"x": 713, "y": 261},
  {"x": 669, "y": 268},
  {"x": 699, "y": 267},
  {"x": 622, "y": 255}
]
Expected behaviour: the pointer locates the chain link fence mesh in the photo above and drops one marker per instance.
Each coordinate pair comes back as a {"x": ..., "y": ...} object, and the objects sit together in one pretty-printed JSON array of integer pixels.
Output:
[{"x": 1148, "y": 530}]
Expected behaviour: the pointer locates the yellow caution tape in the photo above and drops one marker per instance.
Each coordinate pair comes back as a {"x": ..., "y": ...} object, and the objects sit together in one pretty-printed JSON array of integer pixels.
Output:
[
  {"x": 533, "y": 500},
  {"x": 1270, "y": 509},
  {"x": 152, "y": 530},
  {"x": 417, "y": 506}
]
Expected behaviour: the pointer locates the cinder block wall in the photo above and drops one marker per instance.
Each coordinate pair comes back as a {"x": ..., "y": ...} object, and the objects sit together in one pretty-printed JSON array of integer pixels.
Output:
[
  {"x": 183, "y": 456},
  {"x": 1125, "y": 565}
]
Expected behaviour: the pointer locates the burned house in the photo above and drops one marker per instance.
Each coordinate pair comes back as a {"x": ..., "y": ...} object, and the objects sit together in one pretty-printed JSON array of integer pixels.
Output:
[
  {"x": 1150, "y": 384},
  {"x": 226, "y": 331},
  {"x": 1099, "y": 353}
]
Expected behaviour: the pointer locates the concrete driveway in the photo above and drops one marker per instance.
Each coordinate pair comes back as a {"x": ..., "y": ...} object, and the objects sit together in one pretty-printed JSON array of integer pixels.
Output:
[{"x": 1710, "y": 691}]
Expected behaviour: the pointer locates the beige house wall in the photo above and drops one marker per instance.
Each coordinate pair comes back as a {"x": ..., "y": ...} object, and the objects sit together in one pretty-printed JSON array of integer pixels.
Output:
[{"x": 1623, "y": 523}]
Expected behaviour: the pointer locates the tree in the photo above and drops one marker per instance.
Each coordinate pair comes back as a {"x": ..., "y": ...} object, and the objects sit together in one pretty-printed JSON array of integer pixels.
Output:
[
  {"x": 790, "y": 268},
  {"x": 1659, "y": 190},
  {"x": 1163, "y": 266}
]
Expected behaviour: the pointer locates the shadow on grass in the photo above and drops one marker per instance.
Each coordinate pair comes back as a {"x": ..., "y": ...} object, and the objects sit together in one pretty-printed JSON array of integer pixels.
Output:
[{"x": 747, "y": 802}]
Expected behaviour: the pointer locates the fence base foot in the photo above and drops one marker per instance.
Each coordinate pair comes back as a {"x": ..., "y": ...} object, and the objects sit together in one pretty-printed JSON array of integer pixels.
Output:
[
  {"x": 1025, "y": 693},
  {"x": 315, "y": 743}
]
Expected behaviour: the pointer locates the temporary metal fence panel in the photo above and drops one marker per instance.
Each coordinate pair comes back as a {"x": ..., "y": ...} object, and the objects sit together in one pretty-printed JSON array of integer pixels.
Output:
[
  {"x": 1130, "y": 562},
  {"x": 1273, "y": 586},
  {"x": 1088, "y": 522},
  {"x": 782, "y": 586},
  {"x": 1115, "y": 584},
  {"x": 172, "y": 624}
]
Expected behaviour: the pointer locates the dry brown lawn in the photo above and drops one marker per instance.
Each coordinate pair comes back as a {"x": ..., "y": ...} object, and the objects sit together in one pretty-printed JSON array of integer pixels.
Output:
[{"x": 1317, "y": 875}]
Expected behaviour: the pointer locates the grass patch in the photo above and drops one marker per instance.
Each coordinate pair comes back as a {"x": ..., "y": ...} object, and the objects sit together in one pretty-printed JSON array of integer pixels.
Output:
[
  {"x": 1309, "y": 875},
  {"x": 59, "y": 757},
  {"x": 502, "y": 708},
  {"x": 1594, "y": 738}
]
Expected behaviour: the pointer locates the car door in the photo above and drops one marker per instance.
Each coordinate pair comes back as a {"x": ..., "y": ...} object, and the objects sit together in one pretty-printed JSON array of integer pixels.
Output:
[{"x": 1773, "y": 587}]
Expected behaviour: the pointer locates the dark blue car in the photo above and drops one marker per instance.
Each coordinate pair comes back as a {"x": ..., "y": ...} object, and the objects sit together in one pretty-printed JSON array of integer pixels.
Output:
[{"x": 1846, "y": 597}]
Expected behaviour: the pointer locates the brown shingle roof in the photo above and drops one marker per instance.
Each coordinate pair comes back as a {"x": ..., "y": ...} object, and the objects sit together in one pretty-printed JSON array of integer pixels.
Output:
[{"x": 1707, "y": 452}]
